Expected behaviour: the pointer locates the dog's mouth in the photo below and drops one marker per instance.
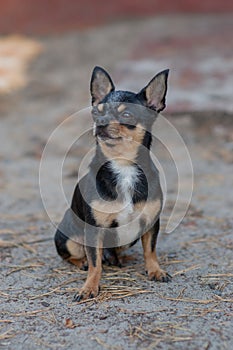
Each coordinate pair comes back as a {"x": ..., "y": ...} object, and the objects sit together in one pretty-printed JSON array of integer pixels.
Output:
[
  {"x": 108, "y": 137},
  {"x": 105, "y": 135}
]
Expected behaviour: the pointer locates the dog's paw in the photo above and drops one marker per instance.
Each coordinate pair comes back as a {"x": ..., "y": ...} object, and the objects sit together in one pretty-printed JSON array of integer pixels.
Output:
[
  {"x": 87, "y": 292},
  {"x": 84, "y": 266},
  {"x": 111, "y": 258},
  {"x": 159, "y": 275}
]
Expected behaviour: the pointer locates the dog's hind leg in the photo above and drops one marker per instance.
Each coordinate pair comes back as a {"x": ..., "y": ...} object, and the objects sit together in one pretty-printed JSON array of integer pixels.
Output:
[{"x": 70, "y": 250}]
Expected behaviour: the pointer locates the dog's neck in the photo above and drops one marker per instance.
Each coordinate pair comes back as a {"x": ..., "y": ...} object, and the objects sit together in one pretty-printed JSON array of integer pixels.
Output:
[{"x": 119, "y": 177}]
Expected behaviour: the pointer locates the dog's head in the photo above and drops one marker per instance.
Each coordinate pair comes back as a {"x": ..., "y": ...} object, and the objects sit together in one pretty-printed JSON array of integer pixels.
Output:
[{"x": 123, "y": 119}]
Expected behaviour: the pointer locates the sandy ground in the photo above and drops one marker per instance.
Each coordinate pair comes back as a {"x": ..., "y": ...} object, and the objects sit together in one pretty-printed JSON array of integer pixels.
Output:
[{"x": 195, "y": 310}]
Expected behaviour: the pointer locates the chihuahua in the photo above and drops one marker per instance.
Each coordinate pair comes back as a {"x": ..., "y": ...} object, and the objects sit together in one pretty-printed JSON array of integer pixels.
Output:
[{"x": 119, "y": 200}]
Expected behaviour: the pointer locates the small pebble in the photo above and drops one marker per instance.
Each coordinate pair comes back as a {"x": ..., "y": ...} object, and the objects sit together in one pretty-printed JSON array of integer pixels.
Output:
[{"x": 44, "y": 303}]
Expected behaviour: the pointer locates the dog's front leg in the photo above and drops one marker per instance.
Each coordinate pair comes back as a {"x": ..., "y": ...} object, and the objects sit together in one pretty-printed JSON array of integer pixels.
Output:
[
  {"x": 91, "y": 288},
  {"x": 151, "y": 262}
]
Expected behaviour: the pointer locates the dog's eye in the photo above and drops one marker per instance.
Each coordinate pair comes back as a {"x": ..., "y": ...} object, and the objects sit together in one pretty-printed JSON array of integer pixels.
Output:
[{"x": 126, "y": 115}]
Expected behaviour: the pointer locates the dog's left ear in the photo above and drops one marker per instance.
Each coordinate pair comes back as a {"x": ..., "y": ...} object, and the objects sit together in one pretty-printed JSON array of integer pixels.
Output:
[
  {"x": 154, "y": 94},
  {"x": 101, "y": 85}
]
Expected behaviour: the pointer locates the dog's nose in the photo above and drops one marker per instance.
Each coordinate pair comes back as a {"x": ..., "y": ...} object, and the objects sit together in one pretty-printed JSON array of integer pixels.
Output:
[{"x": 101, "y": 121}]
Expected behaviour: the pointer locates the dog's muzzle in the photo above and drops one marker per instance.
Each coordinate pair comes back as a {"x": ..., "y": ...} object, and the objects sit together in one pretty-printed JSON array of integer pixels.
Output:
[{"x": 107, "y": 132}]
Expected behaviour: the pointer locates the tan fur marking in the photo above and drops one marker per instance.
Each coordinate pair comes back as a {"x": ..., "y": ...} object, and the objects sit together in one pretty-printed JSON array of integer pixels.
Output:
[
  {"x": 77, "y": 253},
  {"x": 123, "y": 162},
  {"x": 121, "y": 108},
  {"x": 149, "y": 210},
  {"x": 151, "y": 261},
  {"x": 109, "y": 88},
  {"x": 77, "y": 262},
  {"x": 107, "y": 211},
  {"x": 138, "y": 133},
  {"x": 100, "y": 107},
  {"x": 76, "y": 250},
  {"x": 127, "y": 146}
]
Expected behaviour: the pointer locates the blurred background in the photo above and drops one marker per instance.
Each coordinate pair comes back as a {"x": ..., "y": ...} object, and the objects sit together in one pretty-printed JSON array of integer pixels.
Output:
[
  {"x": 64, "y": 40},
  {"x": 56, "y": 16},
  {"x": 49, "y": 48}
]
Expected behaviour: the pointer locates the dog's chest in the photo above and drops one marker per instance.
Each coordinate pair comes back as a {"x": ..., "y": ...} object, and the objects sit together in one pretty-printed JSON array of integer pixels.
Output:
[
  {"x": 126, "y": 178},
  {"x": 128, "y": 218}
]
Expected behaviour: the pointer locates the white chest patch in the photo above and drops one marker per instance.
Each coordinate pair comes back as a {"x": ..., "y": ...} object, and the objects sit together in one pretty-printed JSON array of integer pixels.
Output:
[
  {"x": 127, "y": 176},
  {"x": 126, "y": 179}
]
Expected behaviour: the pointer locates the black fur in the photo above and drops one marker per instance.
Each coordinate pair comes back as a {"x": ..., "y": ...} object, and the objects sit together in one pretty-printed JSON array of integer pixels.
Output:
[
  {"x": 60, "y": 243},
  {"x": 155, "y": 235}
]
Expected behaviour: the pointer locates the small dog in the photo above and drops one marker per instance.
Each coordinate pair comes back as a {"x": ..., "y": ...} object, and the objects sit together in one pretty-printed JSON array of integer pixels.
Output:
[{"x": 119, "y": 200}]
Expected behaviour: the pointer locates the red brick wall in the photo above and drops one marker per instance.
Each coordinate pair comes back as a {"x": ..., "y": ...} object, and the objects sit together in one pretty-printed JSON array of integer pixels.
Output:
[{"x": 51, "y": 16}]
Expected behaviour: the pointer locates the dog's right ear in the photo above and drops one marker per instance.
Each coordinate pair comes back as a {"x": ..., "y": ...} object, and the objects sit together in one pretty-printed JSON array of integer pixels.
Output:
[
  {"x": 101, "y": 85},
  {"x": 154, "y": 94}
]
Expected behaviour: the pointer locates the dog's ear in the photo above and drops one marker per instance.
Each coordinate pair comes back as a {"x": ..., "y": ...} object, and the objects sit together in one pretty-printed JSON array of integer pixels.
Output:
[
  {"x": 154, "y": 94},
  {"x": 101, "y": 85}
]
